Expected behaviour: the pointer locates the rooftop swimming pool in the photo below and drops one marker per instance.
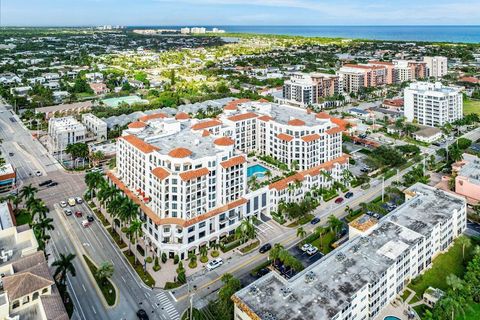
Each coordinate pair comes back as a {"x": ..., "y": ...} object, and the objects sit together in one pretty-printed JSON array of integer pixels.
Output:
[
  {"x": 391, "y": 318},
  {"x": 256, "y": 170}
]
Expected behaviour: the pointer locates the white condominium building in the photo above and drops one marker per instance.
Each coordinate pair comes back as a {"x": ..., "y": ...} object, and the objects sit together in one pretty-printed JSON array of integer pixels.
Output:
[
  {"x": 307, "y": 89},
  {"x": 437, "y": 67},
  {"x": 406, "y": 70},
  {"x": 190, "y": 177},
  {"x": 432, "y": 104},
  {"x": 361, "y": 277},
  {"x": 65, "y": 131},
  {"x": 95, "y": 125}
]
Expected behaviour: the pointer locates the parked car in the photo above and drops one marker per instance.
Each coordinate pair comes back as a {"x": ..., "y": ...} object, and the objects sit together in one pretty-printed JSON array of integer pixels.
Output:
[
  {"x": 142, "y": 314},
  {"x": 68, "y": 212},
  {"x": 262, "y": 272},
  {"x": 265, "y": 248},
  {"x": 315, "y": 220},
  {"x": 312, "y": 250},
  {"x": 78, "y": 214},
  {"x": 63, "y": 204},
  {"x": 53, "y": 184},
  {"x": 44, "y": 183},
  {"x": 11, "y": 154},
  {"x": 86, "y": 223},
  {"x": 90, "y": 218},
  {"x": 349, "y": 194},
  {"x": 215, "y": 263},
  {"x": 338, "y": 200},
  {"x": 78, "y": 200},
  {"x": 71, "y": 202},
  {"x": 306, "y": 246},
  {"x": 38, "y": 173}
]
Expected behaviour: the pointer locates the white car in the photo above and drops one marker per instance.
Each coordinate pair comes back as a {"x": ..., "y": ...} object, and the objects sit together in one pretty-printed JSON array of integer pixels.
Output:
[
  {"x": 215, "y": 263},
  {"x": 38, "y": 173},
  {"x": 63, "y": 204},
  {"x": 78, "y": 200},
  {"x": 306, "y": 247},
  {"x": 311, "y": 251}
]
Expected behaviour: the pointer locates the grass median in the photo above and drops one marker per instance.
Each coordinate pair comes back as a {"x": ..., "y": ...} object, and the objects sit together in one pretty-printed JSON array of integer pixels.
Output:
[{"x": 106, "y": 286}]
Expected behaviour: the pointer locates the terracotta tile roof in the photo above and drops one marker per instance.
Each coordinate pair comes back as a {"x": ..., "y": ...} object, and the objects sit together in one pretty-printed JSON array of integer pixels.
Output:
[
  {"x": 394, "y": 102},
  {"x": 311, "y": 137},
  {"x": 334, "y": 130},
  {"x": 137, "y": 125},
  {"x": 325, "y": 166},
  {"x": 284, "y": 137},
  {"x": 283, "y": 184},
  {"x": 233, "y": 162},
  {"x": 216, "y": 211},
  {"x": 243, "y": 116},
  {"x": 205, "y": 133},
  {"x": 193, "y": 174},
  {"x": 263, "y": 100},
  {"x": 160, "y": 173},
  {"x": 323, "y": 115},
  {"x": 206, "y": 124},
  {"x": 53, "y": 307},
  {"x": 139, "y": 143},
  {"x": 182, "y": 116},
  {"x": 265, "y": 118},
  {"x": 469, "y": 79},
  {"x": 179, "y": 153},
  {"x": 153, "y": 116},
  {"x": 364, "y": 67},
  {"x": 224, "y": 141},
  {"x": 296, "y": 122},
  {"x": 234, "y": 104},
  {"x": 386, "y": 63}
]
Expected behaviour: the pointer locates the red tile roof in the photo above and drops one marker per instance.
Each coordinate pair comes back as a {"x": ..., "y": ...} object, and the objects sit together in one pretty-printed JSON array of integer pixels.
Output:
[
  {"x": 323, "y": 115},
  {"x": 139, "y": 143},
  {"x": 224, "y": 141},
  {"x": 205, "y": 133},
  {"x": 193, "y": 174},
  {"x": 311, "y": 137},
  {"x": 216, "y": 211},
  {"x": 234, "y": 104},
  {"x": 283, "y": 184},
  {"x": 325, "y": 166},
  {"x": 182, "y": 116},
  {"x": 206, "y": 124},
  {"x": 284, "y": 137},
  {"x": 233, "y": 162},
  {"x": 137, "y": 125},
  {"x": 243, "y": 116},
  {"x": 334, "y": 130},
  {"x": 149, "y": 117},
  {"x": 296, "y": 122},
  {"x": 265, "y": 118},
  {"x": 179, "y": 153},
  {"x": 160, "y": 173}
]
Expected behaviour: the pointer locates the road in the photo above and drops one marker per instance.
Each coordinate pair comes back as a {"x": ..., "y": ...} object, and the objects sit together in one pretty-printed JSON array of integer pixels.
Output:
[{"x": 70, "y": 237}]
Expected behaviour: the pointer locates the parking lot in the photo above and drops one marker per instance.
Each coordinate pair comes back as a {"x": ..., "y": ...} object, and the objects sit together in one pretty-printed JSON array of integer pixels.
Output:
[{"x": 304, "y": 258}]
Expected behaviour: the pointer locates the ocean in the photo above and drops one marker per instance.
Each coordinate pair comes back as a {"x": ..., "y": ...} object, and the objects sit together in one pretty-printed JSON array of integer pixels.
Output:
[{"x": 464, "y": 34}]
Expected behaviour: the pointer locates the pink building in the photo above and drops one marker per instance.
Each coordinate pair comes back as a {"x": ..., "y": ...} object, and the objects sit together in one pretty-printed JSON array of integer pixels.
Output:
[{"x": 467, "y": 182}]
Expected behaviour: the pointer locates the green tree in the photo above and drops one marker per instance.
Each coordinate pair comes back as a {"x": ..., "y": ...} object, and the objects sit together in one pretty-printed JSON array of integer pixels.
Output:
[
  {"x": 63, "y": 267},
  {"x": 465, "y": 242},
  {"x": 334, "y": 224},
  {"x": 135, "y": 230},
  {"x": 94, "y": 180},
  {"x": 28, "y": 192},
  {"x": 301, "y": 233},
  {"x": 105, "y": 271}
]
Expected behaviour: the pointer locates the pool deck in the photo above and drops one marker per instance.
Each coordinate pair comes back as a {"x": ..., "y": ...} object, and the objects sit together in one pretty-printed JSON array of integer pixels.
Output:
[{"x": 395, "y": 308}]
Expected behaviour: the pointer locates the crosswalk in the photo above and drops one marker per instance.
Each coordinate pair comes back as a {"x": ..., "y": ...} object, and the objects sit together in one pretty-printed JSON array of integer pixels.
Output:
[{"x": 167, "y": 305}]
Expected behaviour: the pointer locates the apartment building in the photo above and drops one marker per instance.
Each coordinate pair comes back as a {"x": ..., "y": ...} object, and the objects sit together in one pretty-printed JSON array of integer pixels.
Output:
[
  {"x": 307, "y": 89},
  {"x": 407, "y": 70},
  {"x": 357, "y": 76},
  {"x": 95, "y": 125},
  {"x": 467, "y": 181},
  {"x": 189, "y": 177},
  {"x": 27, "y": 290},
  {"x": 361, "y": 277},
  {"x": 437, "y": 67},
  {"x": 432, "y": 104},
  {"x": 65, "y": 131}
]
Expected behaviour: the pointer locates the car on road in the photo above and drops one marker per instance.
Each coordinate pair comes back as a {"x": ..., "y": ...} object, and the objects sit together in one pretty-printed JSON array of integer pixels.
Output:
[
  {"x": 265, "y": 248},
  {"x": 68, "y": 212},
  {"x": 312, "y": 250},
  {"x": 44, "y": 183},
  {"x": 90, "y": 218},
  {"x": 349, "y": 194},
  {"x": 262, "y": 272},
  {"x": 78, "y": 214},
  {"x": 11, "y": 154},
  {"x": 365, "y": 169},
  {"x": 38, "y": 173},
  {"x": 53, "y": 184},
  {"x": 86, "y": 223},
  {"x": 78, "y": 200},
  {"x": 63, "y": 204},
  {"x": 306, "y": 246},
  {"x": 315, "y": 220},
  {"x": 142, "y": 314},
  {"x": 338, "y": 200},
  {"x": 71, "y": 202},
  {"x": 215, "y": 263}
]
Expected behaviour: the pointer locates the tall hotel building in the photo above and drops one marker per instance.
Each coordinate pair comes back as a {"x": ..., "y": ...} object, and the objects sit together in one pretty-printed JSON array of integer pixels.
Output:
[
  {"x": 432, "y": 104},
  {"x": 189, "y": 177},
  {"x": 361, "y": 277},
  {"x": 307, "y": 89}
]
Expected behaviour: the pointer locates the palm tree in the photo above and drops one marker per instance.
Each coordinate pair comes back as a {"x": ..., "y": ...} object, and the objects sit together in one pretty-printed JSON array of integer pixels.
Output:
[
  {"x": 45, "y": 224},
  {"x": 334, "y": 224},
  {"x": 454, "y": 282},
  {"x": 203, "y": 251},
  {"x": 465, "y": 242},
  {"x": 301, "y": 233},
  {"x": 105, "y": 271},
  {"x": 127, "y": 210},
  {"x": 64, "y": 266},
  {"x": 294, "y": 165},
  {"x": 449, "y": 306},
  {"x": 252, "y": 182},
  {"x": 93, "y": 180},
  {"x": 193, "y": 259},
  {"x": 275, "y": 253},
  {"x": 28, "y": 192},
  {"x": 135, "y": 230},
  {"x": 268, "y": 174},
  {"x": 246, "y": 229}
]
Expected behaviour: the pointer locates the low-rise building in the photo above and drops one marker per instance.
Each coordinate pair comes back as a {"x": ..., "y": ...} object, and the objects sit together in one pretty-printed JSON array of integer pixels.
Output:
[
  {"x": 467, "y": 181},
  {"x": 65, "y": 131},
  {"x": 428, "y": 134},
  {"x": 95, "y": 125},
  {"x": 99, "y": 88},
  {"x": 361, "y": 277},
  {"x": 8, "y": 177}
]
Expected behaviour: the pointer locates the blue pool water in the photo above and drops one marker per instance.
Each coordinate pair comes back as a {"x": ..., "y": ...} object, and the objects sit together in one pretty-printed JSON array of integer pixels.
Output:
[
  {"x": 256, "y": 170},
  {"x": 391, "y": 318}
]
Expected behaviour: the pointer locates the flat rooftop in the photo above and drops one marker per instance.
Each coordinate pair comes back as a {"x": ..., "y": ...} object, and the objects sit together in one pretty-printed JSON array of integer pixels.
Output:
[
  {"x": 325, "y": 288},
  {"x": 471, "y": 168}
]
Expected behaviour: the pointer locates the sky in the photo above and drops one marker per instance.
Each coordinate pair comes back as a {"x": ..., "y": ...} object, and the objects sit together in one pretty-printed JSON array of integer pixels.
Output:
[{"x": 238, "y": 12}]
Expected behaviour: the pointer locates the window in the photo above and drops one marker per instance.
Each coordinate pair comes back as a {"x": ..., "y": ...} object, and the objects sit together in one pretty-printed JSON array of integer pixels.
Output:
[
  {"x": 202, "y": 224},
  {"x": 15, "y": 304},
  {"x": 35, "y": 295}
]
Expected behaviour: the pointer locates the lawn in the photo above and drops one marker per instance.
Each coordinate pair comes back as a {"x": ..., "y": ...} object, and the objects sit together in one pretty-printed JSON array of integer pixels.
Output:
[
  {"x": 144, "y": 275},
  {"x": 107, "y": 288},
  {"x": 300, "y": 222},
  {"x": 116, "y": 238},
  {"x": 471, "y": 106},
  {"x": 447, "y": 263},
  {"x": 472, "y": 313},
  {"x": 250, "y": 247},
  {"x": 324, "y": 243}
]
